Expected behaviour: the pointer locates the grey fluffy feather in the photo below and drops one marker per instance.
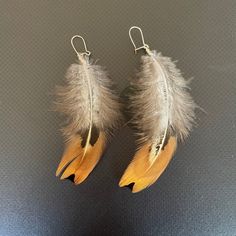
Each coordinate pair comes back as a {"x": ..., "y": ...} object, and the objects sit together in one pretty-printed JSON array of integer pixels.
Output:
[
  {"x": 161, "y": 104},
  {"x": 87, "y": 99}
]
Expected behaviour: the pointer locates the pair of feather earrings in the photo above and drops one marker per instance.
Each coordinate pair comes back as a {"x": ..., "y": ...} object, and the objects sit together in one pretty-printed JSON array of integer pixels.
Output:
[{"x": 161, "y": 107}]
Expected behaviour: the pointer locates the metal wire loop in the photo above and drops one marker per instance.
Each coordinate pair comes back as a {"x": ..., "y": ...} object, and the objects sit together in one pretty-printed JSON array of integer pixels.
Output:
[
  {"x": 86, "y": 52},
  {"x": 144, "y": 46}
]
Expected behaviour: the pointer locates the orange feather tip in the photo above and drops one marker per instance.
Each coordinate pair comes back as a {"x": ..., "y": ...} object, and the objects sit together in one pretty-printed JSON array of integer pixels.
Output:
[
  {"x": 75, "y": 162},
  {"x": 139, "y": 172}
]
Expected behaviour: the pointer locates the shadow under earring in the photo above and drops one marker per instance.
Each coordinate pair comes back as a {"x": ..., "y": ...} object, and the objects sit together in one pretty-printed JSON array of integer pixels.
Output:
[
  {"x": 92, "y": 111},
  {"x": 163, "y": 112}
]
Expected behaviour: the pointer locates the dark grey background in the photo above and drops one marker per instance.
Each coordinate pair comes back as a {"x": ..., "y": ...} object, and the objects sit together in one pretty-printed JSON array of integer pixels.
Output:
[{"x": 195, "y": 196}]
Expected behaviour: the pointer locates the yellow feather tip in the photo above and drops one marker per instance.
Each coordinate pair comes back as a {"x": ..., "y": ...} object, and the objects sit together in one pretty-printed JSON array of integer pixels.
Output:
[
  {"x": 75, "y": 162},
  {"x": 140, "y": 173}
]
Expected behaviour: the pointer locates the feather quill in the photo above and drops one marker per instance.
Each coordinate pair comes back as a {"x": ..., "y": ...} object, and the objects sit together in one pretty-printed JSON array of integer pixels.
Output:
[
  {"x": 92, "y": 110},
  {"x": 163, "y": 112}
]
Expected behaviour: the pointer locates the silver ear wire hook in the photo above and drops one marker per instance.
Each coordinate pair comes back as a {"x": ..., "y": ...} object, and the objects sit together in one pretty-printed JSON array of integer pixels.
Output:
[
  {"x": 87, "y": 52},
  {"x": 144, "y": 46}
]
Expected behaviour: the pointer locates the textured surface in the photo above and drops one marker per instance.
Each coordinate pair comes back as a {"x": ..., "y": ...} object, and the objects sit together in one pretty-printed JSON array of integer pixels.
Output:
[{"x": 195, "y": 196}]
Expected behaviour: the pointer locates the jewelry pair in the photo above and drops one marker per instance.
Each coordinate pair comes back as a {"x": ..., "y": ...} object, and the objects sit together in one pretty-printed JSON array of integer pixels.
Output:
[{"x": 161, "y": 107}]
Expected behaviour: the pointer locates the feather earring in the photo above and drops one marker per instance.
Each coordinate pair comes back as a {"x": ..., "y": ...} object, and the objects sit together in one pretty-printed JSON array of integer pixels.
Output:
[
  {"x": 163, "y": 112},
  {"x": 92, "y": 111}
]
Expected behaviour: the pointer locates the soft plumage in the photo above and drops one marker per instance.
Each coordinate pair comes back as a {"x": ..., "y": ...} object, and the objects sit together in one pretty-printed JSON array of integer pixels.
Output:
[
  {"x": 92, "y": 111},
  {"x": 163, "y": 112}
]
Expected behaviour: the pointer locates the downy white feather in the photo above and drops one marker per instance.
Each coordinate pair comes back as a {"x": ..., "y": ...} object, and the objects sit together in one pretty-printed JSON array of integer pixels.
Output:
[
  {"x": 161, "y": 105},
  {"x": 87, "y": 99}
]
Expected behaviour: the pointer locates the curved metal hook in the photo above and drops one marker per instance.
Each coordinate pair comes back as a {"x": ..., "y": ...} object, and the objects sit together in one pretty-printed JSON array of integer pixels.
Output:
[
  {"x": 144, "y": 46},
  {"x": 87, "y": 52}
]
